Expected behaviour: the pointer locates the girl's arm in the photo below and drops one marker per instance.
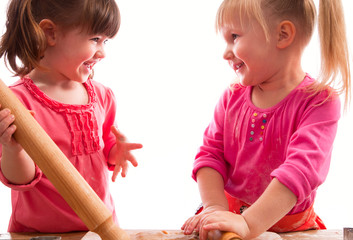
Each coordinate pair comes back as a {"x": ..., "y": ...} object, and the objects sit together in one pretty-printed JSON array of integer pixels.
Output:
[
  {"x": 273, "y": 204},
  {"x": 211, "y": 188},
  {"x": 16, "y": 165}
]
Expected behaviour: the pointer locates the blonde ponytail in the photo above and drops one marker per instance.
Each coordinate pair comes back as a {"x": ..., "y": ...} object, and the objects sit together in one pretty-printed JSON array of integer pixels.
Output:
[{"x": 334, "y": 48}]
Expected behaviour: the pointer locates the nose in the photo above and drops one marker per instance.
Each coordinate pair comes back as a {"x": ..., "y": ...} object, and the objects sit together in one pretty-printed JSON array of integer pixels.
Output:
[
  {"x": 228, "y": 53},
  {"x": 100, "y": 52}
]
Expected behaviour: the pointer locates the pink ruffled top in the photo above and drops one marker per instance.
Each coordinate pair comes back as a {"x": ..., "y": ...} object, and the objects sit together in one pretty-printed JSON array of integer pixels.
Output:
[
  {"x": 81, "y": 120},
  {"x": 83, "y": 133}
]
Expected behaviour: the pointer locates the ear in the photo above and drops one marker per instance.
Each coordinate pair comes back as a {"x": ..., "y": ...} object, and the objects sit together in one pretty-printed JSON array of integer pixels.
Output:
[
  {"x": 286, "y": 33},
  {"x": 49, "y": 28}
]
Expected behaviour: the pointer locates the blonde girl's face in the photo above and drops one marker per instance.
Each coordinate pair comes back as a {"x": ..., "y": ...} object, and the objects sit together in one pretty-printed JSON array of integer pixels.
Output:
[
  {"x": 248, "y": 53},
  {"x": 74, "y": 54}
]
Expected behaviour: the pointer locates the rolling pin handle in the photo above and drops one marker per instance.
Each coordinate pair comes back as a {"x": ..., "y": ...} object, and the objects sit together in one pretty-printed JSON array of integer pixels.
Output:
[{"x": 220, "y": 235}]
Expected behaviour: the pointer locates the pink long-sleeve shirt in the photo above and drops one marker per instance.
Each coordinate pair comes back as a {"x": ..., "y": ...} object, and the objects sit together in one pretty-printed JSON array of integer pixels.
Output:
[
  {"x": 83, "y": 134},
  {"x": 291, "y": 141}
]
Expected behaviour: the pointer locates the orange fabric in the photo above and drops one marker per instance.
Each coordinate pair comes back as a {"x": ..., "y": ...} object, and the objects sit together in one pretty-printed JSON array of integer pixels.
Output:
[{"x": 307, "y": 220}]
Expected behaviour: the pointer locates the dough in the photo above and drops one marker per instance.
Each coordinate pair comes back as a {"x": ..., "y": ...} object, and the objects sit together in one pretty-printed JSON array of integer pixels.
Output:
[
  {"x": 268, "y": 236},
  {"x": 163, "y": 235},
  {"x": 171, "y": 235},
  {"x": 91, "y": 236}
]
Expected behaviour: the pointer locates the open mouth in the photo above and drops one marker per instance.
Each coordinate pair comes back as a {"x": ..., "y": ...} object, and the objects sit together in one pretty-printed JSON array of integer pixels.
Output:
[
  {"x": 238, "y": 66},
  {"x": 235, "y": 66},
  {"x": 89, "y": 66}
]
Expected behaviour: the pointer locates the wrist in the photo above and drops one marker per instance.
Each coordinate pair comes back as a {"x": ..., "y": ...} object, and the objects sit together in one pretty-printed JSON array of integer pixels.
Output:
[
  {"x": 249, "y": 232},
  {"x": 111, "y": 155},
  {"x": 216, "y": 206},
  {"x": 255, "y": 225}
]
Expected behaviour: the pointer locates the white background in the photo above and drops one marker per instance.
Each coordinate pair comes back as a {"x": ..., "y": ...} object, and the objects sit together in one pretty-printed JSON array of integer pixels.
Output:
[{"x": 166, "y": 69}]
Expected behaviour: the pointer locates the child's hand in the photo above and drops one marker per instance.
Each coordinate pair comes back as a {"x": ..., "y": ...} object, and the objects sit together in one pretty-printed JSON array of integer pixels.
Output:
[
  {"x": 120, "y": 154},
  {"x": 7, "y": 128},
  {"x": 223, "y": 221},
  {"x": 193, "y": 223}
]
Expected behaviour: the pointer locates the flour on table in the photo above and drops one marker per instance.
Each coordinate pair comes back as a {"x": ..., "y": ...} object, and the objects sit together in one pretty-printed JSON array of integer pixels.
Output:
[
  {"x": 171, "y": 235},
  {"x": 268, "y": 236}
]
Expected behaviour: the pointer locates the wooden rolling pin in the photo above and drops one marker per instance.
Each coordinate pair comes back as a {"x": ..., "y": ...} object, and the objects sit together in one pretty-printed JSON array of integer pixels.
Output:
[
  {"x": 59, "y": 170},
  {"x": 219, "y": 235},
  {"x": 230, "y": 236}
]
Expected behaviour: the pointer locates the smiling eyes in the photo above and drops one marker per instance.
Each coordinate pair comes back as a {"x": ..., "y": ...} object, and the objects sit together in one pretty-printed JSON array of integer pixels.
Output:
[
  {"x": 98, "y": 39},
  {"x": 234, "y": 36}
]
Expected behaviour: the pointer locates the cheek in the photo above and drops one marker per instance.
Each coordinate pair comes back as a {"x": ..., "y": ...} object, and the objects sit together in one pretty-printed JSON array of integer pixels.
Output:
[
  {"x": 242, "y": 48},
  {"x": 248, "y": 52},
  {"x": 240, "y": 52},
  {"x": 80, "y": 56},
  {"x": 88, "y": 53}
]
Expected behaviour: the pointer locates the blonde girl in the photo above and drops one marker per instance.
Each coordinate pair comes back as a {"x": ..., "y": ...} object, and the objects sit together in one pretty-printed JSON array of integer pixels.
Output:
[
  {"x": 53, "y": 45},
  {"x": 268, "y": 147}
]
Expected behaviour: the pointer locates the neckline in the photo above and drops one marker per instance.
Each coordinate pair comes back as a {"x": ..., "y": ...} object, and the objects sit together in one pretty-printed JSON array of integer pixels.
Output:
[
  {"x": 42, "y": 97},
  {"x": 307, "y": 79}
]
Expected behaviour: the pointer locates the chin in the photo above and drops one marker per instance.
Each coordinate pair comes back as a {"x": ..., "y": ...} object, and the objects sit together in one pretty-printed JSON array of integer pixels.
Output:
[
  {"x": 82, "y": 78},
  {"x": 246, "y": 82}
]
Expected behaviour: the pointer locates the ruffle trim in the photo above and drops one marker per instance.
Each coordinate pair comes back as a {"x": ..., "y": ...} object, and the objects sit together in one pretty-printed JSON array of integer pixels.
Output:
[
  {"x": 58, "y": 106},
  {"x": 81, "y": 120}
]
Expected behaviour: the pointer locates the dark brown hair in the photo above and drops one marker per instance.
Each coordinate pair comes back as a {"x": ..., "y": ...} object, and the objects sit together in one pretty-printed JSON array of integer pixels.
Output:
[{"x": 25, "y": 40}]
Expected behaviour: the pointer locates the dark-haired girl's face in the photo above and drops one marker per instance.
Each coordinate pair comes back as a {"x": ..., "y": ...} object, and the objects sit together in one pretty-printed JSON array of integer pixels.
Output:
[{"x": 75, "y": 53}]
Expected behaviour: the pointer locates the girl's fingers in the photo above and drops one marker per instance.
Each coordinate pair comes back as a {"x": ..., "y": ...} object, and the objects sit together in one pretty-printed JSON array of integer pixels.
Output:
[
  {"x": 6, "y": 129},
  {"x": 117, "y": 134},
  {"x": 124, "y": 170},
  {"x": 4, "y": 113},
  {"x": 191, "y": 224},
  {"x": 133, "y": 146},
  {"x": 211, "y": 226},
  {"x": 33, "y": 113},
  {"x": 6, "y": 119},
  {"x": 124, "y": 154},
  {"x": 116, "y": 172},
  {"x": 132, "y": 159},
  {"x": 6, "y": 137},
  {"x": 120, "y": 137}
]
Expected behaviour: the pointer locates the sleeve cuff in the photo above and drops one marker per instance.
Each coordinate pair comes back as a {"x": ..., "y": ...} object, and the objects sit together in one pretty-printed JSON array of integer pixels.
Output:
[
  {"x": 211, "y": 164},
  {"x": 111, "y": 167},
  {"x": 25, "y": 187},
  {"x": 295, "y": 181}
]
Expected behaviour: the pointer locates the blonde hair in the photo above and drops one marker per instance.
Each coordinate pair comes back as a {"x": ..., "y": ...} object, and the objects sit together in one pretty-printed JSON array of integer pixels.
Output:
[
  {"x": 335, "y": 66},
  {"x": 25, "y": 40}
]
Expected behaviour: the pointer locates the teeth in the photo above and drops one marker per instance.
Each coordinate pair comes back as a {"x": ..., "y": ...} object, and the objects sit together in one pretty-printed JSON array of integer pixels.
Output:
[
  {"x": 239, "y": 65},
  {"x": 88, "y": 65},
  {"x": 236, "y": 66}
]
